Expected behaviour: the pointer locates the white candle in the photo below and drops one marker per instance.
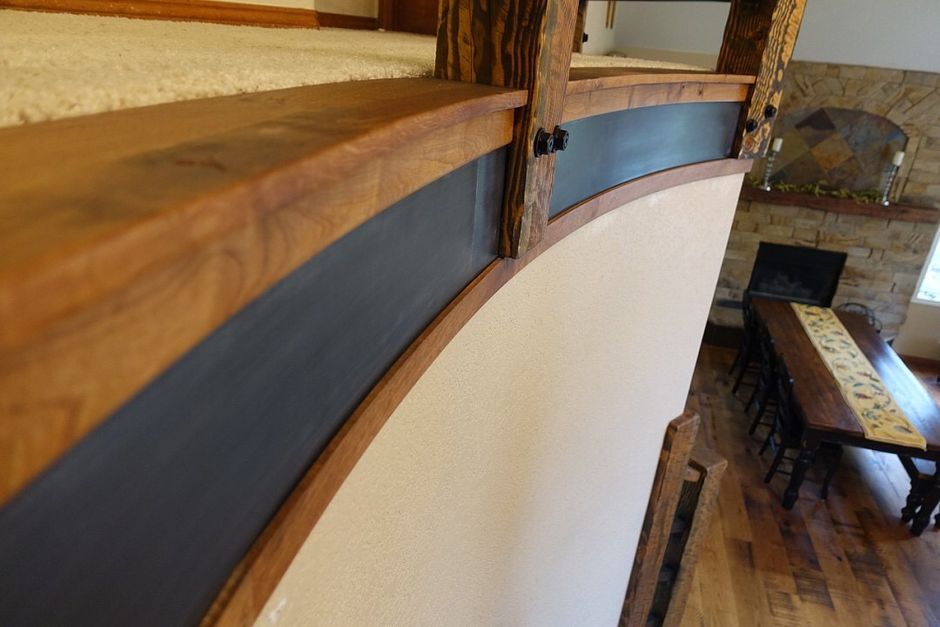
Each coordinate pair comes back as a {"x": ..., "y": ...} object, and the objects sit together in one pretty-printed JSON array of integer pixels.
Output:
[
  {"x": 898, "y": 158},
  {"x": 778, "y": 144}
]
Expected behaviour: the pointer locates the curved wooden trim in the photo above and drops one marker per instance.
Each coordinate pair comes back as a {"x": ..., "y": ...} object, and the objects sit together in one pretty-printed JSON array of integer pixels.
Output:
[
  {"x": 182, "y": 10},
  {"x": 254, "y": 579},
  {"x": 239, "y": 192},
  {"x": 594, "y": 91}
]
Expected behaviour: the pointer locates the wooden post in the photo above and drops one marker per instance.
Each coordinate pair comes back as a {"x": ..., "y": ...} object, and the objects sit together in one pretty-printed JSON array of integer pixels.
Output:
[
  {"x": 667, "y": 485},
  {"x": 759, "y": 40},
  {"x": 524, "y": 45}
]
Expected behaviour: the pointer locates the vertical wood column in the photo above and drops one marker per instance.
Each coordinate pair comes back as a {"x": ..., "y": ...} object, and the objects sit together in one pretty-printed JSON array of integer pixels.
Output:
[
  {"x": 759, "y": 39},
  {"x": 523, "y": 45}
]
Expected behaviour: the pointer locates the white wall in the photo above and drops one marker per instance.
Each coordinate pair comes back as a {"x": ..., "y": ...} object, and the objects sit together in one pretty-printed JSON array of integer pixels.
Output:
[
  {"x": 510, "y": 485},
  {"x": 901, "y": 35},
  {"x": 600, "y": 38},
  {"x": 920, "y": 334}
]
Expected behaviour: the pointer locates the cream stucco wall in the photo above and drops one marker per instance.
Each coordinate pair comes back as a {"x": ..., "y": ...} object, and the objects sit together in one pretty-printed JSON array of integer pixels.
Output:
[
  {"x": 920, "y": 334},
  {"x": 509, "y": 487}
]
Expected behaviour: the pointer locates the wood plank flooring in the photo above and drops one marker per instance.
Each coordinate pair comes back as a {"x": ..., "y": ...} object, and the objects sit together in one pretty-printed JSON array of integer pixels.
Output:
[{"x": 845, "y": 561}]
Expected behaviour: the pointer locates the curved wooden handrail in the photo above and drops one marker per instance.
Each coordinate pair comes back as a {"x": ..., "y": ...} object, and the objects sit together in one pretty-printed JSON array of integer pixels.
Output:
[
  {"x": 128, "y": 237},
  {"x": 254, "y": 579},
  {"x": 595, "y": 91}
]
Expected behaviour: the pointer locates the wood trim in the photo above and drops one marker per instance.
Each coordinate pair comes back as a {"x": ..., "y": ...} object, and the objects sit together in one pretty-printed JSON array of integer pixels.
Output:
[
  {"x": 759, "y": 39},
  {"x": 588, "y": 79},
  {"x": 254, "y": 579},
  {"x": 182, "y": 10},
  {"x": 525, "y": 45},
  {"x": 102, "y": 288},
  {"x": 894, "y": 211},
  {"x": 586, "y": 104},
  {"x": 660, "y": 512},
  {"x": 354, "y": 22}
]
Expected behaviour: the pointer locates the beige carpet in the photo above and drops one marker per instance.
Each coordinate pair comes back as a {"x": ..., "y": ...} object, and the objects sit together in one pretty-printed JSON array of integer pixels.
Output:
[{"x": 57, "y": 65}]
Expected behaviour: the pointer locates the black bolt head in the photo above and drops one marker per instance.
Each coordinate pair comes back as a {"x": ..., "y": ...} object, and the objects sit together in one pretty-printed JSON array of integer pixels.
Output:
[
  {"x": 770, "y": 111},
  {"x": 561, "y": 139},
  {"x": 750, "y": 126},
  {"x": 544, "y": 143}
]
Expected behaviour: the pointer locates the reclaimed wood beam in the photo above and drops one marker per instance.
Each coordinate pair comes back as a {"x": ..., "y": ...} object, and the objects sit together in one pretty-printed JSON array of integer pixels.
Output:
[
  {"x": 525, "y": 45},
  {"x": 759, "y": 40}
]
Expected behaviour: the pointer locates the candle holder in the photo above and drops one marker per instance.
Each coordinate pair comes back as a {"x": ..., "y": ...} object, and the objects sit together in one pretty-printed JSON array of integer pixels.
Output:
[
  {"x": 892, "y": 174},
  {"x": 769, "y": 168}
]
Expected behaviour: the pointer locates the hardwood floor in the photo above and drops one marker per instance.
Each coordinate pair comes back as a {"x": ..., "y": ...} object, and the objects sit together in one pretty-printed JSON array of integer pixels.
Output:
[{"x": 845, "y": 561}]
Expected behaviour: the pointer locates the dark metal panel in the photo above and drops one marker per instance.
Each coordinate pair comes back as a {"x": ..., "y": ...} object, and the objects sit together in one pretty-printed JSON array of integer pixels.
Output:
[
  {"x": 607, "y": 150},
  {"x": 142, "y": 522}
]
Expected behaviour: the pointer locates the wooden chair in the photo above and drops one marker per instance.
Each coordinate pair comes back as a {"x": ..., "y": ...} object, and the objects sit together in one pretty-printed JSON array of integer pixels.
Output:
[
  {"x": 744, "y": 360},
  {"x": 787, "y": 431},
  {"x": 765, "y": 390}
]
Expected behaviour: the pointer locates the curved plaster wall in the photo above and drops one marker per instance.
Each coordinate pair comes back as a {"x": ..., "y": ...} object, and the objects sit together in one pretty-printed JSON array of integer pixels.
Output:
[{"x": 510, "y": 485}]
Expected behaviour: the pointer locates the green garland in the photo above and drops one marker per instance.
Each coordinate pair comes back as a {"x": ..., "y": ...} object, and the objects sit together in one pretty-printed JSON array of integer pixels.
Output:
[{"x": 821, "y": 188}]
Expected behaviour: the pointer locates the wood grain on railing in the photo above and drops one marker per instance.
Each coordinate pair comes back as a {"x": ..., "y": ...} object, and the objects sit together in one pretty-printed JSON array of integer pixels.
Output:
[
  {"x": 759, "y": 39},
  {"x": 595, "y": 91},
  {"x": 157, "y": 224}
]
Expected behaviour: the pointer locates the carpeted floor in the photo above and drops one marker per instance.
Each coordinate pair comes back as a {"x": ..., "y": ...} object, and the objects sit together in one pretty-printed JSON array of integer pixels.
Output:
[{"x": 57, "y": 65}]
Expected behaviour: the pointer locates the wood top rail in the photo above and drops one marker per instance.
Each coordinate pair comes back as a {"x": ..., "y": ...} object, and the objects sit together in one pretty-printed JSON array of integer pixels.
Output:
[
  {"x": 127, "y": 237},
  {"x": 595, "y": 91}
]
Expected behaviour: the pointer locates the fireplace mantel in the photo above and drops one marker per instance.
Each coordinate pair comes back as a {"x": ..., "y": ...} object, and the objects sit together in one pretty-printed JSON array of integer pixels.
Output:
[{"x": 901, "y": 212}]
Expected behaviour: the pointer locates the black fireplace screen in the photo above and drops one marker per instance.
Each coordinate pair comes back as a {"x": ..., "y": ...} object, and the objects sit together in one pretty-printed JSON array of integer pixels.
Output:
[{"x": 804, "y": 275}]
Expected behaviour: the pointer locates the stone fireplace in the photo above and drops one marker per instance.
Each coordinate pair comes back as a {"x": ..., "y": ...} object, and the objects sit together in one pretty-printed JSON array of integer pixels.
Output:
[{"x": 841, "y": 124}]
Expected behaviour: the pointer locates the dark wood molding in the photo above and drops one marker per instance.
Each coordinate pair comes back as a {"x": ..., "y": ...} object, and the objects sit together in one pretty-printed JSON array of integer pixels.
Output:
[
  {"x": 894, "y": 211},
  {"x": 660, "y": 512},
  {"x": 255, "y": 577},
  {"x": 523, "y": 45},
  {"x": 182, "y": 10},
  {"x": 759, "y": 39},
  {"x": 231, "y": 209},
  {"x": 341, "y": 20}
]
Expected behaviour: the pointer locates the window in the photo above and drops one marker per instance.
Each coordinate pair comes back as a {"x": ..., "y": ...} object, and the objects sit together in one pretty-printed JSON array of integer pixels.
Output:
[{"x": 928, "y": 290}]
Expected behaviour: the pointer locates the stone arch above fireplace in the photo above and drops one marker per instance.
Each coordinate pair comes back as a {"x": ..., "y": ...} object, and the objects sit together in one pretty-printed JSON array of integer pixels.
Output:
[{"x": 844, "y": 148}]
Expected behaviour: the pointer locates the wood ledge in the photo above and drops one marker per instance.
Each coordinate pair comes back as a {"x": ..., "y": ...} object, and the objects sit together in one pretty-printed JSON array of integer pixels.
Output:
[
  {"x": 128, "y": 237},
  {"x": 894, "y": 211}
]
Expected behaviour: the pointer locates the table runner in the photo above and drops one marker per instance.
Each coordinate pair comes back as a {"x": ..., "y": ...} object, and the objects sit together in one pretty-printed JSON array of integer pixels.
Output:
[{"x": 875, "y": 409}]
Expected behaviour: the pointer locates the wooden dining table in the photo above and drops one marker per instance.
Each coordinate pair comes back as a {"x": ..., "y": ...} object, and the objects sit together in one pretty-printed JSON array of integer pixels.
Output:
[{"x": 828, "y": 418}]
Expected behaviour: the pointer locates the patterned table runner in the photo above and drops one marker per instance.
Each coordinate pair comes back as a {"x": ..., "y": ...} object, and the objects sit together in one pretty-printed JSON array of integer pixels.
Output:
[{"x": 875, "y": 409}]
